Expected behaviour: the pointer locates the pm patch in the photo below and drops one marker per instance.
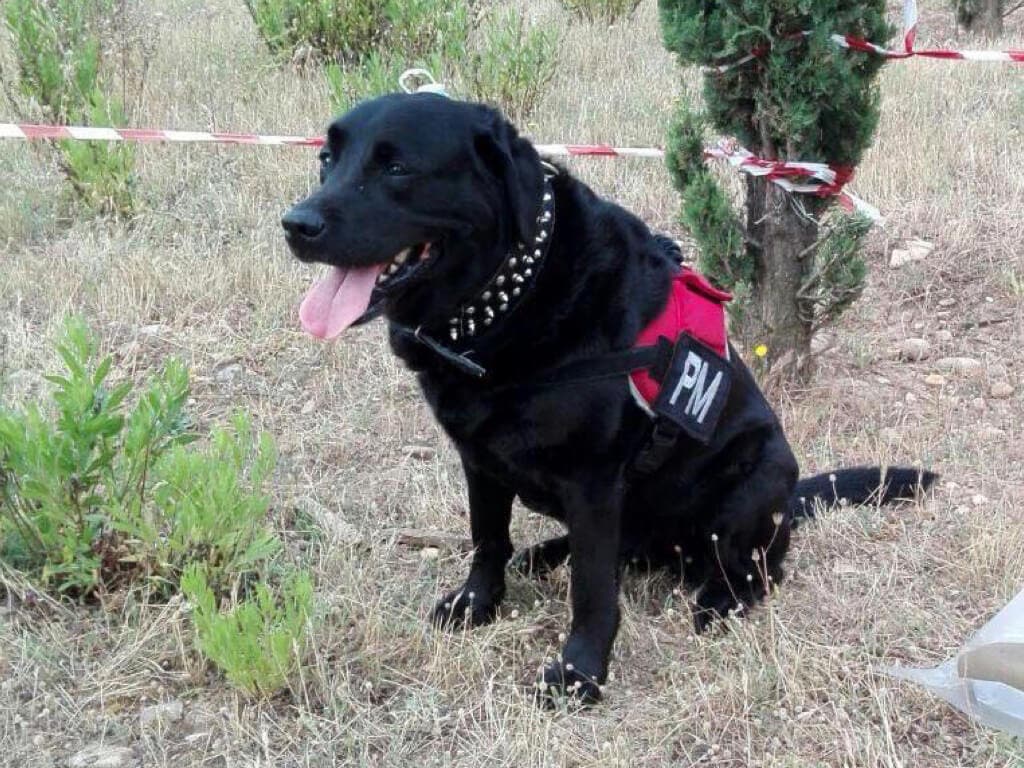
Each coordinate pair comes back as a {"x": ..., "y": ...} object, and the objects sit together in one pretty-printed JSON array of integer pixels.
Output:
[{"x": 695, "y": 389}]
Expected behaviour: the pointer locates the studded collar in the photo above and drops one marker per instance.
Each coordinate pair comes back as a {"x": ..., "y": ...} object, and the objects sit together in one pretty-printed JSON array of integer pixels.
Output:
[{"x": 511, "y": 281}]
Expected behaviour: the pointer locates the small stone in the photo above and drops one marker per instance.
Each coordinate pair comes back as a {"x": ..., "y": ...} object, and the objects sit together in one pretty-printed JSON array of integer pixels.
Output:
[
  {"x": 162, "y": 714},
  {"x": 899, "y": 257},
  {"x": 420, "y": 452},
  {"x": 914, "y": 349},
  {"x": 967, "y": 367},
  {"x": 99, "y": 756},
  {"x": 1001, "y": 390},
  {"x": 979, "y": 500},
  {"x": 920, "y": 249},
  {"x": 943, "y": 336},
  {"x": 430, "y": 553},
  {"x": 152, "y": 330},
  {"x": 910, "y": 398},
  {"x": 229, "y": 373},
  {"x": 889, "y": 434},
  {"x": 914, "y": 250},
  {"x": 947, "y": 303},
  {"x": 308, "y": 407},
  {"x": 978, "y": 404}
]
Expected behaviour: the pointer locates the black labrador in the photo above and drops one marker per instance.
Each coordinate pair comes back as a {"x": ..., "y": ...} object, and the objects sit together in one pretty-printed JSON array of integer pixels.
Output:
[{"x": 497, "y": 274}]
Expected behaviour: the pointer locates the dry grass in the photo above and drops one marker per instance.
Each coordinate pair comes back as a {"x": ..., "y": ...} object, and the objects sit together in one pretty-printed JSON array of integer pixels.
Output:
[{"x": 203, "y": 274}]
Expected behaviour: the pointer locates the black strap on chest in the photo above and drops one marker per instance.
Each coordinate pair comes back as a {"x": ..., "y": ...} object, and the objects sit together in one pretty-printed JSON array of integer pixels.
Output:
[{"x": 694, "y": 388}]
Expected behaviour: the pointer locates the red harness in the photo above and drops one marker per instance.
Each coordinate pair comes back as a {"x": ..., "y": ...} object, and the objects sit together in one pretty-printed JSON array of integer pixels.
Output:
[{"x": 694, "y": 307}]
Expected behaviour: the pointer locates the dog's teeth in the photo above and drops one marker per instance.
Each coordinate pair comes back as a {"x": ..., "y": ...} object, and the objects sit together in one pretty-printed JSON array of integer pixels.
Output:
[
  {"x": 392, "y": 269},
  {"x": 400, "y": 258}
]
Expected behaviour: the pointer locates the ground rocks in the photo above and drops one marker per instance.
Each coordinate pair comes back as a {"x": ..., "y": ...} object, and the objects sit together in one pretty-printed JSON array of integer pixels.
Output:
[
  {"x": 101, "y": 756},
  {"x": 914, "y": 349},
  {"x": 915, "y": 250},
  {"x": 1001, "y": 390},
  {"x": 935, "y": 380},
  {"x": 966, "y": 367},
  {"x": 162, "y": 714}
]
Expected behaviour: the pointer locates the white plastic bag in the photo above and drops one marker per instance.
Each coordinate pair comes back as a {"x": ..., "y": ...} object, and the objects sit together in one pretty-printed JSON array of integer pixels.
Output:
[{"x": 986, "y": 679}]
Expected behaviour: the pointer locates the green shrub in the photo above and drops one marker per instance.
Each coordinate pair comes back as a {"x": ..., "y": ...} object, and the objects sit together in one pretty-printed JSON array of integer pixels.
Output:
[
  {"x": 515, "y": 63},
  {"x": 58, "y": 50},
  {"x": 347, "y": 31},
  {"x": 608, "y": 11},
  {"x": 94, "y": 495},
  {"x": 259, "y": 642}
]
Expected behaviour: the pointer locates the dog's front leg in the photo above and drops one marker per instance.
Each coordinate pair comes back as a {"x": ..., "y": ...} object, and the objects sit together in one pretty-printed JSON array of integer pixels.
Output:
[
  {"x": 490, "y": 511},
  {"x": 594, "y": 519}
]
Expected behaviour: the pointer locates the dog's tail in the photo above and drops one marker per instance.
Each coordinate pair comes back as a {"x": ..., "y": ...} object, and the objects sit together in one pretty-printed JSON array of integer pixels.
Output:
[{"x": 878, "y": 485}]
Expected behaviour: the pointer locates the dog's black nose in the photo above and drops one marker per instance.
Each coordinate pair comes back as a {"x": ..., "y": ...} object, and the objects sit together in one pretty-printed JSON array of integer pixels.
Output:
[{"x": 302, "y": 222}]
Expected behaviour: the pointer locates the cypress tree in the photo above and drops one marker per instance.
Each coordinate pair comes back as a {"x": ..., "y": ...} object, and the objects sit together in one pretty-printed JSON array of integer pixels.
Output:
[{"x": 793, "y": 266}]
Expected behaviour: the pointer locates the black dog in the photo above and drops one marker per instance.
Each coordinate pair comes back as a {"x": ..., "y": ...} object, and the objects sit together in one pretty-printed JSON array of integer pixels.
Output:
[{"x": 517, "y": 295}]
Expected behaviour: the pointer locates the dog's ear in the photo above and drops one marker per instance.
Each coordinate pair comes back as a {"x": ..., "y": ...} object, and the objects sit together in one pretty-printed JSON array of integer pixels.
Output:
[{"x": 515, "y": 164}]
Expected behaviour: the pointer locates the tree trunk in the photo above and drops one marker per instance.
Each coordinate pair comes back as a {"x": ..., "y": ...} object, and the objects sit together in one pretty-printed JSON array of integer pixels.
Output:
[
  {"x": 781, "y": 243},
  {"x": 990, "y": 18}
]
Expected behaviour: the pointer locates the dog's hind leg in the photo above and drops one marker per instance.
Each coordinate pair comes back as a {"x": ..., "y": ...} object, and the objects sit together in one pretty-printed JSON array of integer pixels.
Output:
[
  {"x": 542, "y": 558},
  {"x": 490, "y": 511},
  {"x": 744, "y": 544}
]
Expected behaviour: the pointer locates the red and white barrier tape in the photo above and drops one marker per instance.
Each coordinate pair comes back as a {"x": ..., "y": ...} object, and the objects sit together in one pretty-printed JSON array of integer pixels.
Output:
[
  {"x": 819, "y": 178},
  {"x": 31, "y": 132},
  {"x": 149, "y": 136},
  {"x": 910, "y": 22}
]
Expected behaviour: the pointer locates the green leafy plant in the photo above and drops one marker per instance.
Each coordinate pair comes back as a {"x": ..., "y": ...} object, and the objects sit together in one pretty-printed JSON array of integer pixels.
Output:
[
  {"x": 608, "y": 11},
  {"x": 259, "y": 641},
  {"x": 347, "y": 31},
  {"x": 514, "y": 63},
  {"x": 94, "y": 494},
  {"x": 58, "y": 50}
]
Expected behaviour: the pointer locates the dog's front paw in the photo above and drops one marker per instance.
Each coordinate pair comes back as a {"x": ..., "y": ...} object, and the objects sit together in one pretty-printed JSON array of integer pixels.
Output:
[
  {"x": 562, "y": 680},
  {"x": 464, "y": 608}
]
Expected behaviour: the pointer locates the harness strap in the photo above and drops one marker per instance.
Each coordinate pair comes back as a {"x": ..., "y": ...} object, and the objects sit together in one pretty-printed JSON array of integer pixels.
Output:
[{"x": 654, "y": 358}]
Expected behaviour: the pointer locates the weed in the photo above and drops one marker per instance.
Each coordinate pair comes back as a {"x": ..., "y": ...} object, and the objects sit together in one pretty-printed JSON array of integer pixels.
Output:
[
  {"x": 515, "y": 64},
  {"x": 258, "y": 642},
  {"x": 93, "y": 496},
  {"x": 608, "y": 11},
  {"x": 58, "y": 49}
]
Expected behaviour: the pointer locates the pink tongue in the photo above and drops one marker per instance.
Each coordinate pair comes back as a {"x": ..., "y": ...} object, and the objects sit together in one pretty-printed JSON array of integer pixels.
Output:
[{"x": 338, "y": 300}]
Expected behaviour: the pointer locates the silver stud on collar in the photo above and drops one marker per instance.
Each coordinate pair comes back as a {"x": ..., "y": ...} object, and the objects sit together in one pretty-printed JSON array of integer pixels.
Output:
[{"x": 513, "y": 277}]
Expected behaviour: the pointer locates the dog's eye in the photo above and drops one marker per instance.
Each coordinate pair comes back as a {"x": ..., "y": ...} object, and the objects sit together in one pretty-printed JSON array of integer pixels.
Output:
[
  {"x": 325, "y": 157},
  {"x": 395, "y": 169}
]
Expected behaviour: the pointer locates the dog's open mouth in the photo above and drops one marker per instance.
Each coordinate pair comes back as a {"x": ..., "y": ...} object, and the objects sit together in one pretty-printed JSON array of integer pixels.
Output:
[{"x": 345, "y": 294}]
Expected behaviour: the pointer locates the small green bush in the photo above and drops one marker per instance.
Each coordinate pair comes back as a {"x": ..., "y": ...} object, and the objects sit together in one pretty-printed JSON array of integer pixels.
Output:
[
  {"x": 94, "y": 495},
  {"x": 348, "y": 31},
  {"x": 514, "y": 64},
  {"x": 259, "y": 642},
  {"x": 608, "y": 11},
  {"x": 58, "y": 50}
]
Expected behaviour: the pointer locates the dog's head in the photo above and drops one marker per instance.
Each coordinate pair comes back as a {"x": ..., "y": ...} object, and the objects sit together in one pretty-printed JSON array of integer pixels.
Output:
[{"x": 419, "y": 198}]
